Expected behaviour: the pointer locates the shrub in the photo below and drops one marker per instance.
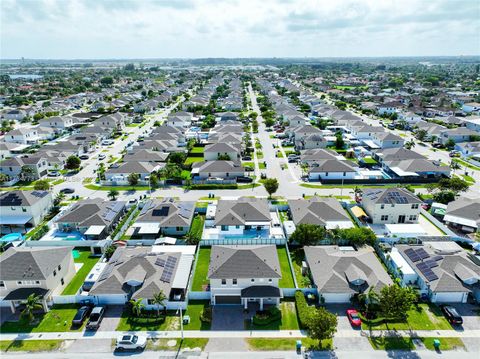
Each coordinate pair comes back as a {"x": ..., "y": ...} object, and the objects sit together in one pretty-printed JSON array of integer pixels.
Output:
[
  {"x": 206, "y": 315},
  {"x": 303, "y": 310},
  {"x": 214, "y": 186},
  {"x": 264, "y": 318}
]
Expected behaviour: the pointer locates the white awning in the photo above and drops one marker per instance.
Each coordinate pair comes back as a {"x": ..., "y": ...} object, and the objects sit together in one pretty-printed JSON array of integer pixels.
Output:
[
  {"x": 460, "y": 220},
  {"x": 166, "y": 240},
  {"x": 339, "y": 224},
  {"x": 148, "y": 228},
  {"x": 94, "y": 230},
  {"x": 183, "y": 272},
  {"x": 371, "y": 144},
  {"x": 15, "y": 219},
  {"x": 402, "y": 173},
  {"x": 257, "y": 223}
]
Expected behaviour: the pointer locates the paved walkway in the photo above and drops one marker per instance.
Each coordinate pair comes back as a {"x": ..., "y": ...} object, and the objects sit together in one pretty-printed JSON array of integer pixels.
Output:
[{"x": 241, "y": 334}]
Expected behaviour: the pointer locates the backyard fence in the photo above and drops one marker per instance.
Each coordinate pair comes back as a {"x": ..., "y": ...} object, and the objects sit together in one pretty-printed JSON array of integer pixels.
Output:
[{"x": 242, "y": 241}]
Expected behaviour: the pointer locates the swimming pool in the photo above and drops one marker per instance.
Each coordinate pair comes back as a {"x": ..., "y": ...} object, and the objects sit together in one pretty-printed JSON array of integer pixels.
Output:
[
  {"x": 68, "y": 236},
  {"x": 11, "y": 237}
]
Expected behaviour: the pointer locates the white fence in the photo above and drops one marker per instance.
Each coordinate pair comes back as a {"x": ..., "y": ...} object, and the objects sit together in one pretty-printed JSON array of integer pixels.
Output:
[
  {"x": 242, "y": 241},
  {"x": 199, "y": 295}
]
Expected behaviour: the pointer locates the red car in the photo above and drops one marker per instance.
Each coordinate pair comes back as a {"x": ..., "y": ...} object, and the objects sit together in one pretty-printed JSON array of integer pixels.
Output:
[{"x": 353, "y": 318}]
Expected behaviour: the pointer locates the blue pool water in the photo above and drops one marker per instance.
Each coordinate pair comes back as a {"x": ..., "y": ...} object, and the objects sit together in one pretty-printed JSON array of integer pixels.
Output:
[
  {"x": 11, "y": 237},
  {"x": 69, "y": 236}
]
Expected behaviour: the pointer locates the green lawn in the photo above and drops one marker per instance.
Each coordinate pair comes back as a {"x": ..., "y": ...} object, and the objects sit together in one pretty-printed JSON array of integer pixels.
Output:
[
  {"x": 284, "y": 344},
  {"x": 191, "y": 160},
  {"x": 77, "y": 281},
  {"x": 424, "y": 317},
  {"x": 262, "y": 165},
  {"x": 248, "y": 164},
  {"x": 129, "y": 322},
  {"x": 197, "y": 150},
  {"x": 283, "y": 216},
  {"x": 279, "y": 154},
  {"x": 201, "y": 270},
  {"x": 194, "y": 310},
  {"x": 196, "y": 228},
  {"x": 30, "y": 345},
  {"x": 466, "y": 164},
  {"x": 445, "y": 343},
  {"x": 391, "y": 343},
  {"x": 181, "y": 344},
  {"x": 58, "y": 319},
  {"x": 94, "y": 187},
  {"x": 297, "y": 257},
  {"x": 259, "y": 155},
  {"x": 287, "y": 280},
  {"x": 288, "y": 321}
]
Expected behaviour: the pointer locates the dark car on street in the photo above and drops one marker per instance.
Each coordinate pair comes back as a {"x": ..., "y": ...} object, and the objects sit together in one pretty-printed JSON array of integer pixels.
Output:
[
  {"x": 244, "y": 179},
  {"x": 67, "y": 190},
  {"x": 451, "y": 314},
  {"x": 81, "y": 315}
]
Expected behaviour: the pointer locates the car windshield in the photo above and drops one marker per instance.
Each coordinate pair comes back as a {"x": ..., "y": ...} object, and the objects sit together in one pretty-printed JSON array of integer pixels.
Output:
[
  {"x": 354, "y": 316},
  {"x": 94, "y": 317},
  {"x": 134, "y": 339},
  {"x": 454, "y": 312},
  {"x": 78, "y": 315}
]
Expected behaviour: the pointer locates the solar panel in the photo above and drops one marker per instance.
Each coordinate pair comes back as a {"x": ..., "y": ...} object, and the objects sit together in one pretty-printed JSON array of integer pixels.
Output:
[
  {"x": 431, "y": 263},
  {"x": 412, "y": 255},
  {"x": 437, "y": 258},
  {"x": 422, "y": 253},
  {"x": 160, "y": 262},
  {"x": 422, "y": 266}
]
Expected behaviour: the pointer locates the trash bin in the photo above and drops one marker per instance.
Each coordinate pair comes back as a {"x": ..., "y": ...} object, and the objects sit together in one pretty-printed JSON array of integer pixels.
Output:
[
  {"x": 436, "y": 343},
  {"x": 299, "y": 346}
]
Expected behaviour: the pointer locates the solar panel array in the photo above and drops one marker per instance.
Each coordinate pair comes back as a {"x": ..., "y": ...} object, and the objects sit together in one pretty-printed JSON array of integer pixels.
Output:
[
  {"x": 397, "y": 197},
  {"x": 412, "y": 254},
  {"x": 426, "y": 263},
  {"x": 427, "y": 272},
  {"x": 431, "y": 263},
  {"x": 168, "y": 269},
  {"x": 160, "y": 262}
]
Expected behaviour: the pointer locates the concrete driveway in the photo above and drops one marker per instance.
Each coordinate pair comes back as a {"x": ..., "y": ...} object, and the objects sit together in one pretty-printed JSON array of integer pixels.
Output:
[
  {"x": 227, "y": 317},
  {"x": 111, "y": 319},
  {"x": 470, "y": 314},
  {"x": 341, "y": 311}
]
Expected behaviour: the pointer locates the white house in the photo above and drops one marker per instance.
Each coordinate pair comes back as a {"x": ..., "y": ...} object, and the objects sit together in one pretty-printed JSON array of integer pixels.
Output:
[
  {"x": 26, "y": 136},
  {"x": 61, "y": 123},
  {"x": 240, "y": 275},
  {"x": 473, "y": 123},
  {"x": 332, "y": 169}
]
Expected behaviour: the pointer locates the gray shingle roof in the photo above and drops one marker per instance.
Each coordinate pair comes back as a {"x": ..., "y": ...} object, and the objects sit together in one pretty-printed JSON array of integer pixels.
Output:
[
  {"x": 21, "y": 198},
  {"x": 390, "y": 196},
  {"x": 168, "y": 212},
  {"x": 317, "y": 211},
  {"x": 244, "y": 209},
  {"x": 244, "y": 262},
  {"x": 93, "y": 211}
]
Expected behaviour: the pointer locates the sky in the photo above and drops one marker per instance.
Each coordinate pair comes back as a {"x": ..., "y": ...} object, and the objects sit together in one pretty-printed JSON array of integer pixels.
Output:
[{"x": 107, "y": 29}]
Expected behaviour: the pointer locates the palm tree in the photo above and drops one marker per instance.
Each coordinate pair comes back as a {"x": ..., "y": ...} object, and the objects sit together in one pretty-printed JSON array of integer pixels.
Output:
[
  {"x": 113, "y": 193},
  {"x": 410, "y": 144},
  {"x": 454, "y": 165},
  {"x": 369, "y": 297},
  {"x": 137, "y": 306},
  {"x": 33, "y": 301},
  {"x": 159, "y": 300}
]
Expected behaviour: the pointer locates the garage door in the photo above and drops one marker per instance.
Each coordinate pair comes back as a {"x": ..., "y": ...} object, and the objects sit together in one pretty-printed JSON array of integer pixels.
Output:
[
  {"x": 448, "y": 298},
  {"x": 228, "y": 299},
  {"x": 336, "y": 297}
]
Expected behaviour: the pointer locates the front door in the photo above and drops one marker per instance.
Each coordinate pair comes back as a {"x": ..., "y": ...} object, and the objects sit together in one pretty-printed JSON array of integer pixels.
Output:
[{"x": 401, "y": 219}]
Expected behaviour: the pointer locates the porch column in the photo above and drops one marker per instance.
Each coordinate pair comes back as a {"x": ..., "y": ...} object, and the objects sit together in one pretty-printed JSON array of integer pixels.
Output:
[
  {"x": 245, "y": 303},
  {"x": 278, "y": 302},
  {"x": 12, "y": 306},
  {"x": 44, "y": 305},
  {"x": 261, "y": 304}
]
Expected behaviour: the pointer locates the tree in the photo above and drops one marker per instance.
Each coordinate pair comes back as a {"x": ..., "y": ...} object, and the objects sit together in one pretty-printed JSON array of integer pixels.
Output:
[
  {"x": 153, "y": 180},
  {"x": 223, "y": 157},
  {"x": 112, "y": 194},
  {"x": 307, "y": 234},
  {"x": 137, "y": 306},
  {"x": 33, "y": 301},
  {"x": 3, "y": 178},
  {"x": 133, "y": 179},
  {"x": 454, "y": 184},
  {"x": 26, "y": 173},
  {"x": 395, "y": 301},
  {"x": 370, "y": 297},
  {"x": 444, "y": 197},
  {"x": 321, "y": 324},
  {"x": 108, "y": 80},
  {"x": 454, "y": 165},
  {"x": 269, "y": 122},
  {"x": 159, "y": 300},
  {"x": 339, "y": 142},
  {"x": 421, "y": 134},
  {"x": 73, "y": 162},
  {"x": 359, "y": 236},
  {"x": 177, "y": 158},
  {"x": 42, "y": 185},
  {"x": 410, "y": 144},
  {"x": 450, "y": 144},
  {"x": 271, "y": 186}
]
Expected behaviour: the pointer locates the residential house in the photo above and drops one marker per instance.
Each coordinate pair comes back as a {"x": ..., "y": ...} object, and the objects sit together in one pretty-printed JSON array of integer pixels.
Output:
[
  {"x": 180, "y": 119},
  {"x": 391, "y": 205},
  {"x": 60, "y": 123},
  {"x": 332, "y": 169},
  {"x": 471, "y": 107},
  {"x": 416, "y": 168},
  {"x": 28, "y": 168},
  {"x": 473, "y": 123},
  {"x": 23, "y": 210},
  {"x": 464, "y": 214},
  {"x": 118, "y": 175},
  {"x": 222, "y": 171},
  {"x": 459, "y": 134},
  {"x": 467, "y": 149},
  {"x": 14, "y": 115},
  {"x": 338, "y": 273},
  {"x": 226, "y": 151},
  {"x": 240, "y": 275},
  {"x": 26, "y": 136},
  {"x": 93, "y": 218},
  {"x": 166, "y": 217},
  {"x": 325, "y": 212},
  {"x": 387, "y": 139},
  {"x": 43, "y": 271}
]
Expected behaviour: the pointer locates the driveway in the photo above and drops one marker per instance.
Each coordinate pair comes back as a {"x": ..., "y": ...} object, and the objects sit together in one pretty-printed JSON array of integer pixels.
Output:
[
  {"x": 111, "y": 319},
  {"x": 5, "y": 314},
  {"x": 227, "y": 317},
  {"x": 470, "y": 314},
  {"x": 341, "y": 311}
]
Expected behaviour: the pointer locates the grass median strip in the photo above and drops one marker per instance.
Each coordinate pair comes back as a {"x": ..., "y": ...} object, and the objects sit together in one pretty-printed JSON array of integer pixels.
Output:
[
  {"x": 283, "y": 344},
  {"x": 30, "y": 345}
]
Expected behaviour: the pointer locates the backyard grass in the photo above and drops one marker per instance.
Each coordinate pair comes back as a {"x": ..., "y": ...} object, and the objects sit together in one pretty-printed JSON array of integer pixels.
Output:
[
  {"x": 191, "y": 160},
  {"x": 129, "y": 322},
  {"x": 446, "y": 343},
  {"x": 201, "y": 270},
  {"x": 30, "y": 345},
  {"x": 77, "y": 281},
  {"x": 283, "y": 216},
  {"x": 297, "y": 257},
  {"x": 194, "y": 310},
  {"x": 259, "y": 155},
  {"x": 181, "y": 344},
  {"x": 58, "y": 319},
  {"x": 287, "y": 280},
  {"x": 196, "y": 229},
  {"x": 197, "y": 150},
  {"x": 283, "y": 344},
  {"x": 422, "y": 317},
  {"x": 391, "y": 343}
]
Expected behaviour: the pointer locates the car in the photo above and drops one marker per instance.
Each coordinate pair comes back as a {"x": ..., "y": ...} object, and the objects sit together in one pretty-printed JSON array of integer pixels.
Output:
[
  {"x": 81, "y": 315},
  {"x": 107, "y": 142},
  {"x": 95, "y": 318},
  {"x": 53, "y": 174},
  {"x": 451, "y": 314},
  {"x": 84, "y": 157},
  {"x": 247, "y": 158},
  {"x": 67, "y": 190},
  {"x": 454, "y": 154},
  {"x": 391, "y": 126},
  {"x": 437, "y": 145},
  {"x": 263, "y": 175},
  {"x": 244, "y": 179},
  {"x": 131, "y": 342},
  {"x": 101, "y": 156},
  {"x": 354, "y": 318}
]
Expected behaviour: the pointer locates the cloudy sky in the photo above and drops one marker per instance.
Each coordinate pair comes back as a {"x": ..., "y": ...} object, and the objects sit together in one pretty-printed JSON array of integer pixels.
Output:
[{"x": 90, "y": 29}]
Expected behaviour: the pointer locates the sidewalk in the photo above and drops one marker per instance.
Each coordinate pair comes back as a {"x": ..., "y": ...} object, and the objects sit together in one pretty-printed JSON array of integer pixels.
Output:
[{"x": 240, "y": 334}]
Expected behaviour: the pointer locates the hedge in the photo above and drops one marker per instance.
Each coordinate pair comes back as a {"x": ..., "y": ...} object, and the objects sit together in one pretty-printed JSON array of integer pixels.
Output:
[
  {"x": 214, "y": 186},
  {"x": 273, "y": 314},
  {"x": 303, "y": 310}
]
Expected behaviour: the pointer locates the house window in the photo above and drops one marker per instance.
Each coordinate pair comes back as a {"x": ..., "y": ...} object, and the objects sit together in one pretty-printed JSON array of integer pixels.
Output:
[
  {"x": 37, "y": 282},
  {"x": 19, "y": 282},
  {"x": 59, "y": 267},
  {"x": 270, "y": 280},
  {"x": 13, "y": 208},
  {"x": 344, "y": 174},
  {"x": 62, "y": 281},
  {"x": 384, "y": 218},
  {"x": 415, "y": 206},
  {"x": 224, "y": 282},
  {"x": 412, "y": 218},
  {"x": 179, "y": 229},
  {"x": 237, "y": 227},
  {"x": 54, "y": 272},
  {"x": 382, "y": 206},
  {"x": 224, "y": 228},
  {"x": 234, "y": 281},
  {"x": 252, "y": 280},
  {"x": 326, "y": 174},
  {"x": 2, "y": 284},
  {"x": 24, "y": 209}
]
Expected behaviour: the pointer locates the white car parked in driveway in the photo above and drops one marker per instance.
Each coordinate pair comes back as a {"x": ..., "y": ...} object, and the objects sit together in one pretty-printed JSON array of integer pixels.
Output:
[{"x": 131, "y": 342}]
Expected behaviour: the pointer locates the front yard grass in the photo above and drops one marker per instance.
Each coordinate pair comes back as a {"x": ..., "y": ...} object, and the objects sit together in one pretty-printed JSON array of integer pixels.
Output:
[
  {"x": 446, "y": 343},
  {"x": 200, "y": 280},
  {"x": 287, "y": 280},
  {"x": 262, "y": 165},
  {"x": 284, "y": 344},
  {"x": 181, "y": 344},
  {"x": 288, "y": 321},
  {"x": 391, "y": 343},
  {"x": 94, "y": 187},
  {"x": 196, "y": 229},
  {"x": 88, "y": 262},
  {"x": 58, "y": 319},
  {"x": 129, "y": 322},
  {"x": 423, "y": 317},
  {"x": 30, "y": 345},
  {"x": 194, "y": 310}
]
